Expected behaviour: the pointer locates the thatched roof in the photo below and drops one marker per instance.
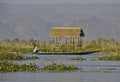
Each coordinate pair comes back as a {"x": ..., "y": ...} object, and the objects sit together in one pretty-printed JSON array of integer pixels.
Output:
[{"x": 67, "y": 32}]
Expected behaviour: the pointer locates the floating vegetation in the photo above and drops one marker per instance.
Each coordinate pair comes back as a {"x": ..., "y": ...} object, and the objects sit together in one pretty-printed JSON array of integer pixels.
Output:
[
  {"x": 77, "y": 58},
  {"x": 59, "y": 67},
  {"x": 30, "y": 58},
  {"x": 10, "y": 67},
  {"x": 109, "y": 69},
  {"x": 49, "y": 59},
  {"x": 113, "y": 58},
  {"x": 15, "y": 56}
]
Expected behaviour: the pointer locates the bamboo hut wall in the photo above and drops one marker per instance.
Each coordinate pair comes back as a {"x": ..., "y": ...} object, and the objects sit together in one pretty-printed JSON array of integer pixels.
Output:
[{"x": 67, "y": 33}]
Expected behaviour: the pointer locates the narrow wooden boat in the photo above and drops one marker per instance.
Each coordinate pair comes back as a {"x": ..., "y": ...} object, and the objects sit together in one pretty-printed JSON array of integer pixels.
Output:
[{"x": 67, "y": 53}]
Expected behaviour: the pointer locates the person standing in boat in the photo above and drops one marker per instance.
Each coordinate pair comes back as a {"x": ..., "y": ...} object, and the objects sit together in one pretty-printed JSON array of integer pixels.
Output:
[{"x": 35, "y": 50}]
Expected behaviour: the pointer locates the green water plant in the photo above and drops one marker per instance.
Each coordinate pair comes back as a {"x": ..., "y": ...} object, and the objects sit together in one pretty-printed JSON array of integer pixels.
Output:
[
  {"x": 15, "y": 56},
  {"x": 59, "y": 67},
  {"x": 77, "y": 58},
  {"x": 49, "y": 59},
  {"x": 10, "y": 67},
  {"x": 111, "y": 58}
]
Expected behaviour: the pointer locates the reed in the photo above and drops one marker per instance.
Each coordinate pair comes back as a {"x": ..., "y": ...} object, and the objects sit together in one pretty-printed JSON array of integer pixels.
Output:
[{"x": 108, "y": 46}]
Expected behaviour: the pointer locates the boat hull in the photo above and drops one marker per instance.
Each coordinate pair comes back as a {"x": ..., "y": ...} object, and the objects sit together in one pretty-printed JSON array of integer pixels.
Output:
[{"x": 67, "y": 53}]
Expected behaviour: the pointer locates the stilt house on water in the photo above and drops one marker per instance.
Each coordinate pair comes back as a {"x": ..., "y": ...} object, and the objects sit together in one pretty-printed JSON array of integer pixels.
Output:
[
  {"x": 70, "y": 36},
  {"x": 67, "y": 41}
]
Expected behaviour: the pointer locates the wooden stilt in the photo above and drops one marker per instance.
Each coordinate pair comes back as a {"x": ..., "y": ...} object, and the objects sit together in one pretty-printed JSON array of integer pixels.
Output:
[{"x": 66, "y": 45}]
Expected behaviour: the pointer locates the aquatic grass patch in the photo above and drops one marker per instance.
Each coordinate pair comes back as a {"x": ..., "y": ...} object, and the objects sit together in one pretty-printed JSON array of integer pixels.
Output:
[
  {"x": 15, "y": 56},
  {"x": 59, "y": 67},
  {"x": 10, "y": 67},
  {"x": 111, "y": 58},
  {"x": 30, "y": 58},
  {"x": 14, "y": 49},
  {"x": 108, "y": 68},
  {"x": 49, "y": 59},
  {"x": 77, "y": 58}
]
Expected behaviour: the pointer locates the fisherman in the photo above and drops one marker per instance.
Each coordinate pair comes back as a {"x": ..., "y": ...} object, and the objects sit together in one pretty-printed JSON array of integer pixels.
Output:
[{"x": 35, "y": 50}]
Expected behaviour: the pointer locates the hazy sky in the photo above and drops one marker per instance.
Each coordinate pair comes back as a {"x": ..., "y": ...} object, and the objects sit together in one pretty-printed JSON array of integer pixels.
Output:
[{"x": 58, "y": 1}]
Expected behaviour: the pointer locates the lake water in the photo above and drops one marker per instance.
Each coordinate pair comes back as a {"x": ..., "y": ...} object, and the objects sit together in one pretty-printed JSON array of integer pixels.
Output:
[{"x": 93, "y": 70}]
